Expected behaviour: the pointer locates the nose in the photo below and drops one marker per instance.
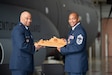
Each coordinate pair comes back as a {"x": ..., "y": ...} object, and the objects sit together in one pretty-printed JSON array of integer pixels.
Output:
[{"x": 30, "y": 20}]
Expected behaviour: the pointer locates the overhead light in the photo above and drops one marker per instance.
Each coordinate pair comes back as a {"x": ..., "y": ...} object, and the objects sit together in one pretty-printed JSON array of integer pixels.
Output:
[
  {"x": 46, "y": 10},
  {"x": 64, "y": 5},
  {"x": 88, "y": 18}
]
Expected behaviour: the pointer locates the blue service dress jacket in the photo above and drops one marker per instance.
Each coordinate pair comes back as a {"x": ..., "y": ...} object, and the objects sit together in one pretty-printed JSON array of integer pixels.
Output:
[
  {"x": 23, "y": 49},
  {"x": 76, "y": 58}
]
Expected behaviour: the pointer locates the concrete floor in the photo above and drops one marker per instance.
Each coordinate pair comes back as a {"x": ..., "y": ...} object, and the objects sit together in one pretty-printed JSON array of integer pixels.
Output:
[
  {"x": 97, "y": 66},
  {"x": 100, "y": 66}
]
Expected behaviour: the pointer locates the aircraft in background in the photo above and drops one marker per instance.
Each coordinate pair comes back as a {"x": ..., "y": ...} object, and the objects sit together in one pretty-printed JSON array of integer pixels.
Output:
[{"x": 50, "y": 18}]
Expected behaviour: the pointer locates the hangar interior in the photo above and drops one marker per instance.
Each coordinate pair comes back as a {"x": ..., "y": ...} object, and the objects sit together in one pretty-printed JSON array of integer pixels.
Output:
[{"x": 100, "y": 53}]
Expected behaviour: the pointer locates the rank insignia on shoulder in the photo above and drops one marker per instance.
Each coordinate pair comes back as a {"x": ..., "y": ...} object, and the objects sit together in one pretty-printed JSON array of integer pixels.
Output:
[{"x": 79, "y": 39}]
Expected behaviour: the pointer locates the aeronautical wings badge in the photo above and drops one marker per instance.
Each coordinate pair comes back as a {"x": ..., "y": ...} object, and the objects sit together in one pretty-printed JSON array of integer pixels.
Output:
[{"x": 79, "y": 39}]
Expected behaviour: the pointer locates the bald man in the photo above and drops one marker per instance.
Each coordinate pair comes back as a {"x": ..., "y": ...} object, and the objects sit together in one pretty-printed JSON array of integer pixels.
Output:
[
  {"x": 76, "y": 60},
  {"x": 23, "y": 48}
]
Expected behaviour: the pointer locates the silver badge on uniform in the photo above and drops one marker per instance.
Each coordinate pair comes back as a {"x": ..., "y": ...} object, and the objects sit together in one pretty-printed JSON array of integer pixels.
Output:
[
  {"x": 79, "y": 39},
  {"x": 27, "y": 40}
]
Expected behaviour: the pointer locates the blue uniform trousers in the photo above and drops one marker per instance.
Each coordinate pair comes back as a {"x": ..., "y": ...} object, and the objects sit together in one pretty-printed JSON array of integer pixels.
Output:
[
  {"x": 70, "y": 73},
  {"x": 19, "y": 72}
]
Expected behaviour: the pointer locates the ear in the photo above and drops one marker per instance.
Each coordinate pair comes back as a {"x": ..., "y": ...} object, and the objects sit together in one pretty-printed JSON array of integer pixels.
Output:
[{"x": 80, "y": 18}]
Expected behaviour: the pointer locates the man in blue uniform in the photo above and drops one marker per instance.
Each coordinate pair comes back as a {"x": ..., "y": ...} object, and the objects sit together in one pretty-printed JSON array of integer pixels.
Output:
[
  {"x": 21, "y": 62},
  {"x": 76, "y": 58}
]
